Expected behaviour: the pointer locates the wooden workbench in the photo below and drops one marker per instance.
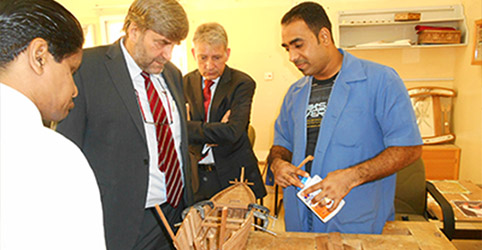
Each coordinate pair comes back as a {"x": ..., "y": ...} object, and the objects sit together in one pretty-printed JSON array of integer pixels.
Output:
[
  {"x": 456, "y": 192},
  {"x": 401, "y": 235}
]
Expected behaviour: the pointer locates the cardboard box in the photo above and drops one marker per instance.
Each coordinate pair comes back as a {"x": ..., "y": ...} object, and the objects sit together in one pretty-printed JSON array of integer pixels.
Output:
[
  {"x": 439, "y": 36},
  {"x": 407, "y": 16}
]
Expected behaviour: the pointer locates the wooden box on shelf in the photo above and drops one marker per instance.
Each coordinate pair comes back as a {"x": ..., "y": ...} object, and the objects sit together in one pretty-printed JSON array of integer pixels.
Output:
[
  {"x": 441, "y": 161},
  {"x": 439, "y": 36},
  {"x": 407, "y": 16}
]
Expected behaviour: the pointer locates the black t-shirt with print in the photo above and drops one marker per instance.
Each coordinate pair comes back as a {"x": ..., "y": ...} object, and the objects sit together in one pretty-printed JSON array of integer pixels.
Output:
[{"x": 319, "y": 96}]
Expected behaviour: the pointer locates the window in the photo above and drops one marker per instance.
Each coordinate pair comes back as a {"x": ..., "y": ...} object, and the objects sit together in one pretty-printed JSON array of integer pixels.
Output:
[{"x": 89, "y": 35}]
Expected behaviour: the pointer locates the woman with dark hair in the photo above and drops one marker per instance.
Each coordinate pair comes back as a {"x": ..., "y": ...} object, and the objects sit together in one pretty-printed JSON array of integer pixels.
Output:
[{"x": 48, "y": 194}]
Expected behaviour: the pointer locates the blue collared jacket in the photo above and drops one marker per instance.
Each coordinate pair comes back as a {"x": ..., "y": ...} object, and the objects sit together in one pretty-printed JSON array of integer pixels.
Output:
[{"x": 369, "y": 110}]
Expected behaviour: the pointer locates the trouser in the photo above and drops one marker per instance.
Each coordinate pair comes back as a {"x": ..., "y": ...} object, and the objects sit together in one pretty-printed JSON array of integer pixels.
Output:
[
  {"x": 209, "y": 183},
  {"x": 153, "y": 234}
]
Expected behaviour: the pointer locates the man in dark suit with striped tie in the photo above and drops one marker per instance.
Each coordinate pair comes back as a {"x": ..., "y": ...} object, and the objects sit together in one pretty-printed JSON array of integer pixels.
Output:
[{"x": 130, "y": 122}]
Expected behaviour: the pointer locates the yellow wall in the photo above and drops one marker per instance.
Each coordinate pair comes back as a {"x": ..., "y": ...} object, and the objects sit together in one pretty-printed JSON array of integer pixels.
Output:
[
  {"x": 468, "y": 104},
  {"x": 254, "y": 37}
]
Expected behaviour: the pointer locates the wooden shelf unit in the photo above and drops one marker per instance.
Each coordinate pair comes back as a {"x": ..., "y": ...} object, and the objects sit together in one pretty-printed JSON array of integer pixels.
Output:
[
  {"x": 441, "y": 161},
  {"x": 367, "y": 26}
]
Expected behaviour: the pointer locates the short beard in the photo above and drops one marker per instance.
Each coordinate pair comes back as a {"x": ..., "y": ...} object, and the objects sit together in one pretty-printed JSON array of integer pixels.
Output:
[{"x": 142, "y": 60}]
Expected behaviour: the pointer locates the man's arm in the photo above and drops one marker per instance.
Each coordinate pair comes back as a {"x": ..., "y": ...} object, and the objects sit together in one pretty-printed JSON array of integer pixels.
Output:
[
  {"x": 338, "y": 184},
  {"x": 285, "y": 173},
  {"x": 237, "y": 122}
]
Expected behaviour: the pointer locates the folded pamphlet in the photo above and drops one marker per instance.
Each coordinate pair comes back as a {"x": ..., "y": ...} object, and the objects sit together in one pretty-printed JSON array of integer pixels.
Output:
[{"x": 320, "y": 211}]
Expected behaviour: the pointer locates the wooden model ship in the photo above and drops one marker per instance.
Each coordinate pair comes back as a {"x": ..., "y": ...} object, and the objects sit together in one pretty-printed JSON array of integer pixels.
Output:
[{"x": 223, "y": 222}]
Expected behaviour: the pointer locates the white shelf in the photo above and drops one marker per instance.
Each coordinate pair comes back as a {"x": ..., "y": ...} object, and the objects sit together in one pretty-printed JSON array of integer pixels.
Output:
[
  {"x": 376, "y": 22},
  {"x": 405, "y": 47},
  {"x": 366, "y": 26}
]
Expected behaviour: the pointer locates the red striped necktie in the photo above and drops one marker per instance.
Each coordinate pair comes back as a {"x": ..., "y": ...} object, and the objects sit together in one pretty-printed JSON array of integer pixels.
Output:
[
  {"x": 167, "y": 155},
  {"x": 207, "y": 97}
]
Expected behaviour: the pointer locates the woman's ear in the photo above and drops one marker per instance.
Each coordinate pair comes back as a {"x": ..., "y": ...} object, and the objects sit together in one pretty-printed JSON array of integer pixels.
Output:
[{"x": 37, "y": 53}]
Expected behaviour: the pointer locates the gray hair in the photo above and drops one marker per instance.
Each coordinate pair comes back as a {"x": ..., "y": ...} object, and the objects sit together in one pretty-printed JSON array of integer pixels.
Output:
[{"x": 211, "y": 33}]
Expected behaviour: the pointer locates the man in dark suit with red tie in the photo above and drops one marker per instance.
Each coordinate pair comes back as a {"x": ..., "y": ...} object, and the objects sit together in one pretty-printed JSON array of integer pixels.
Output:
[
  {"x": 130, "y": 122},
  {"x": 219, "y": 100}
]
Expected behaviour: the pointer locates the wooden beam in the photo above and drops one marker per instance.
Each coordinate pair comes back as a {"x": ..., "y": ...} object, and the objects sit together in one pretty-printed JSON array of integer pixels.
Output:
[{"x": 222, "y": 230}]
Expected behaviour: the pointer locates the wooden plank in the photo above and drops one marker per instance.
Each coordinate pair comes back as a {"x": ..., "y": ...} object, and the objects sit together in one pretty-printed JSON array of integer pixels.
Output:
[
  {"x": 211, "y": 241},
  {"x": 222, "y": 230},
  {"x": 422, "y": 235},
  {"x": 429, "y": 236},
  {"x": 348, "y": 247},
  {"x": 197, "y": 243},
  {"x": 216, "y": 225},
  {"x": 166, "y": 224},
  {"x": 383, "y": 242},
  {"x": 229, "y": 220},
  {"x": 192, "y": 227},
  {"x": 262, "y": 241},
  {"x": 335, "y": 241},
  {"x": 322, "y": 242},
  {"x": 395, "y": 229}
]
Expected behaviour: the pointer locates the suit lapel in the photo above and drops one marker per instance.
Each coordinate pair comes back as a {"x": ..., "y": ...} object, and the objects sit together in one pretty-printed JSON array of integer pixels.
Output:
[
  {"x": 197, "y": 110},
  {"x": 221, "y": 91},
  {"x": 116, "y": 66}
]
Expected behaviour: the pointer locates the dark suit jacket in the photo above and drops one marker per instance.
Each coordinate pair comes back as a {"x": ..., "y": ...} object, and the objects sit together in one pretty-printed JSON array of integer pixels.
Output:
[
  {"x": 107, "y": 125},
  {"x": 234, "y": 92}
]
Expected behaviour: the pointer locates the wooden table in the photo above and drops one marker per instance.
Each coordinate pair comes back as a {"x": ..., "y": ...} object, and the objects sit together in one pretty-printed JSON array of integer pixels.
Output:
[
  {"x": 401, "y": 235},
  {"x": 459, "y": 193}
]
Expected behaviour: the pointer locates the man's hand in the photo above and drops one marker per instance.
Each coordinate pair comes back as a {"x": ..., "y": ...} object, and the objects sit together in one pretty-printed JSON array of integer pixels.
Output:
[
  {"x": 188, "y": 112},
  {"x": 334, "y": 187},
  {"x": 225, "y": 118},
  {"x": 286, "y": 174},
  {"x": 337, "y": 184}
]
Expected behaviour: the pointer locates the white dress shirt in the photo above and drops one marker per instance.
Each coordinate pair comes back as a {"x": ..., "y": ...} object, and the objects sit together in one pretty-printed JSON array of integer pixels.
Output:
[
  {"x": 156, "y": 193},
  {"x": 49, "y": 198}
]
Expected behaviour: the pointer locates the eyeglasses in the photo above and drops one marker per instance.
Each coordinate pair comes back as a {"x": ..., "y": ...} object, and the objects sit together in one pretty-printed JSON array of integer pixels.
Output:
[{"x": 150, "y": 120}]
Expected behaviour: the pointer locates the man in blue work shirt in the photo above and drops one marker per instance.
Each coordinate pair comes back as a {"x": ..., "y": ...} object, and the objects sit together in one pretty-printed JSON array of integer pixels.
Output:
[{"x": 353, "y": 116}]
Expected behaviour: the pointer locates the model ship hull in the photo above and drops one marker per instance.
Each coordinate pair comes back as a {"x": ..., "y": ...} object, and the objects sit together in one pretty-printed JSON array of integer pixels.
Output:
[{"x": 225, "y": 225}]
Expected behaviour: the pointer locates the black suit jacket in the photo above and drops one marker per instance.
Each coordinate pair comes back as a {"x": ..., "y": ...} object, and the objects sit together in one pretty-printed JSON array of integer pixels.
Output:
[
  {"x": 234, "y": 92},
  {"x": 107, "y": 125}
]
